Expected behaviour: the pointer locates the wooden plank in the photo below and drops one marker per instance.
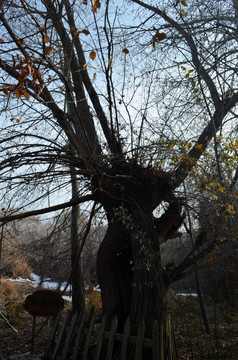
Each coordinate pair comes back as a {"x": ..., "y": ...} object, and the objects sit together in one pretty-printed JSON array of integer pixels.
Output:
[
  {"x": 126, "y": 334},
  {"x": 162, "y": 351},
  {"x": 139, "y": 342},
  {"x": 88, "y": 337},
  {"x": 61, "y": 336},
  {"x": 50, "y": 343},
  {"x": 99, "y": 339},
  {"x": 69, "y": 336},
  {"x": 155, "y": 332},
  {"x": 175, "y": 344},
  {"x": 79, "y": 338},
  {"x": 111, "y": 339},
  {"x": 171, "y": 338}
]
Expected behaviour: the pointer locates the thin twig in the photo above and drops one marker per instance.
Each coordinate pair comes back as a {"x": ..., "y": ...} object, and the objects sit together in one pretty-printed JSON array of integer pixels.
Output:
[{"x": 12, "y": 327}]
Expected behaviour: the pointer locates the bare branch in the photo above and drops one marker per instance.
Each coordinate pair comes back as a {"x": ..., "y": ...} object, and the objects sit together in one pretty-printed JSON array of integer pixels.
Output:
[{"x": 80, "y": 200}]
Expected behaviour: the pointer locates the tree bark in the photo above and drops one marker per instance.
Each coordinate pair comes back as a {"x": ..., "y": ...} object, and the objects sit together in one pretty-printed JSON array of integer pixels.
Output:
[
  {"x": 131, "y": 277},
  {"x": 78, "y": 294},
  {"x": 148, "y": 282},
  {"x": 114, "y": 270}
]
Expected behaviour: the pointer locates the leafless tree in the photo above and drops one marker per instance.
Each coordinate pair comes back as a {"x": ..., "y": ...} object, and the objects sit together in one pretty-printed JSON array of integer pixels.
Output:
[{"x": 132, "y": 98}]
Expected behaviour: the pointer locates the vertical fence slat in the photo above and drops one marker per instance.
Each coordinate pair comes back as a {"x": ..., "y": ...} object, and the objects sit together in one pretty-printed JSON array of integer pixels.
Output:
[
  {"x": 139, "y": 341},
  {"x": 155, "y": 339},
  {"x": 51, "y": 340},
  {"x": 162, "y": 352},
  {"x": 171, "y": 339},
  {"x": 111, "y": 339},
  {"x": 89, "y": 334},
  {"x": 68, "y": 336},
  {"x": 174, "y": 342},
  {"x": 99, "y": 340},
  {"x": 126, "y": 333},
  {"x": 61, "y": 336},
  {"x": 168, "y": 336},
  {"x": 79, "y": 338}
]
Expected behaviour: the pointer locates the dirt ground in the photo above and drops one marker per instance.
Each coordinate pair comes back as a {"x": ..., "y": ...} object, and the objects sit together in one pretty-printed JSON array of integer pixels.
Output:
[{"x": 16, "y": 323}]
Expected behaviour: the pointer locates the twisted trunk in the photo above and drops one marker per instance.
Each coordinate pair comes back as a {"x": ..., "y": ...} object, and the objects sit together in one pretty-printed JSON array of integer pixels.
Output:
[
  {"x": 131, "y": 277},
  {"x": 132, "y": 280}
]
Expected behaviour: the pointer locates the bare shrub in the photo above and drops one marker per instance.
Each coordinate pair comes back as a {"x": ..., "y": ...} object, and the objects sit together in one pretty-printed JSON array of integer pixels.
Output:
[
  {"x": 19, "y": 267},
  {"x": 8, "y": 289}
]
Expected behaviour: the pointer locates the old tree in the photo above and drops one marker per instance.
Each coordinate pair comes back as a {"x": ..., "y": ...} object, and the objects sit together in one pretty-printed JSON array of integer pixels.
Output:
[{"x": 135, "y": 101}]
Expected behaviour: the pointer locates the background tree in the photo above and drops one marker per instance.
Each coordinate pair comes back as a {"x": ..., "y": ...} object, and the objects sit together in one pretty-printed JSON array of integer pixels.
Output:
[{"x": 130, "y": 98}]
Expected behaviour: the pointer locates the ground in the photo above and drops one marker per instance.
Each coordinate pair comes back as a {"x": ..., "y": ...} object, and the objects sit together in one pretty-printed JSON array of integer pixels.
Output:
[
  {"x": 16, "y": 335},
  {"x": 192, "y": 341}
]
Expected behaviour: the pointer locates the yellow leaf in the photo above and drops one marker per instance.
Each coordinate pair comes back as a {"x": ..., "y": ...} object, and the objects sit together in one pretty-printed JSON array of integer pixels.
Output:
[
  {"x": 198, "y": 146},
  {"x": 17, "y": 92},
  {"x": 48, "y": 50},
  {"x": 230, "y": 209},
  {"x": 160, "y": 36},
  {"x": 5, "y": 91},
  {"x": 126, "y": 51},
  {"x": 85, "y": 2},
  {"x": 96, "y": 5},
  {"x": 46, "y": 38},
  {"x": 85, "y": 32},
  {"x": 183, "y": 2},
  {"x": 211, "y": 184},
  {"x": 76, "y": 33},
  {"x": 21, "y": 42},
  {"x": 92, "y": 55},
  {"x": 73, "y": 28},
  {"x": 25, "y": 94},
  {"x": 110, "y": 63},
  {"x": 94, "y": 76},
  {"x": 215, "y": 197},
  {"x": 154, "y": 43},
  {"x": 18, "y": 120}
]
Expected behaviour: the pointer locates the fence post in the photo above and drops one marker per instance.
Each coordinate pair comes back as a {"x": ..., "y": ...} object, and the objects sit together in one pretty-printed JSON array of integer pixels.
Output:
[
  {"x": 139, "y": 341},
  {"x": 100, "y": 339},
  {"x": 155, "y": 339},
  {"x": 126, "y": 333},
  {"x": 89, "y": 334},
  {"x": 111, "y": 339}
]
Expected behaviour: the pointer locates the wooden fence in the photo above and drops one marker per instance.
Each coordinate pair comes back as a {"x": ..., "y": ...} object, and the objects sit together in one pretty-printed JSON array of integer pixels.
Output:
[{"x": 83, "y": 339}]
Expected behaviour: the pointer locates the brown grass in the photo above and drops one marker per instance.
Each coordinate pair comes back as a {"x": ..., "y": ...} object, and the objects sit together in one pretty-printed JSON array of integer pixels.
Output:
[
  {"x": 8, "y": 290},
  {"x": 13, "y": 290},
  {"x": 19, "y": 267}
]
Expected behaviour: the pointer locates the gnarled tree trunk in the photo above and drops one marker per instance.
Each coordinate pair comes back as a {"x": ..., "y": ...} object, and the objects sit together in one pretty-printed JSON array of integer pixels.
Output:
[{"x": 132, "y": 280}]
